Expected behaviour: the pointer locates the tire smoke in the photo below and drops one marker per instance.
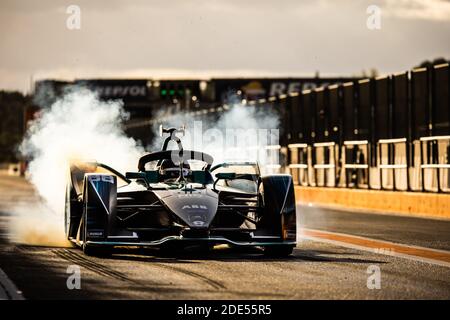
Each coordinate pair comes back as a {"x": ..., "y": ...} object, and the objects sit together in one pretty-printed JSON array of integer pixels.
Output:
[
  {"x": 236, "y": 133},
  {"x": 79, "y": 126},
  {"x": 76, "y": 127}
]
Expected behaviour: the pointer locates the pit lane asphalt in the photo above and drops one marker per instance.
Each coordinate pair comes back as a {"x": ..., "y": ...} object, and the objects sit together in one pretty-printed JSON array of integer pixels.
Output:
[{"x": 315, "y": 271}]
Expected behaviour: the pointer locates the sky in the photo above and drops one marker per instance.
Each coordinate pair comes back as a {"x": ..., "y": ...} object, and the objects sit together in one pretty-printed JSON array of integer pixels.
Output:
[{"x": 216, "y": 38}]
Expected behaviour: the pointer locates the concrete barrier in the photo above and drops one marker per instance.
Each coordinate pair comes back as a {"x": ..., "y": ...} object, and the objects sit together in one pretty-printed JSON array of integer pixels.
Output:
[{"x": 420, "y": 204}]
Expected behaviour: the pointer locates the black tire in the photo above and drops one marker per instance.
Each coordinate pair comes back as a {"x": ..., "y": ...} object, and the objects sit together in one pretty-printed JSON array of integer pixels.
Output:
[
  {"x": 67, "y": 212},
  {"x": 72, "y": 213},
  {"x": 280, "y": 251},
  {"x": 278, "y": 198}
]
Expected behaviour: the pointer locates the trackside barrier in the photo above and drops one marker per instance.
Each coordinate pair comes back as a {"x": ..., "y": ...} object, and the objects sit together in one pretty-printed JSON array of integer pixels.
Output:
[
  {"x": 311, "y": 175},
  {"x": 298, "y": 159},
  {"x": 357, "y": 171},
  {"x": 435, "y": 166},
  {"x": 427, "y": 169},
  {"x": 390, "y": 133},
  {"x": 414, "y": 169},
  {"x": 325, "y": 164},
  {"x": 393, "y": 164}
]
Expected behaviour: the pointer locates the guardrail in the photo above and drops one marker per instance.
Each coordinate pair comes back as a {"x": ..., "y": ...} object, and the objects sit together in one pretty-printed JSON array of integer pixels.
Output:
[
  {"x": 395, "y": 168},
  {"x": 434, "y": 158},
  {"x": 356, "y": 172},
  {"x": 325, "y": 164},
  {"x": 298, "y": 163},
  {"x": 394, "y": 165}
]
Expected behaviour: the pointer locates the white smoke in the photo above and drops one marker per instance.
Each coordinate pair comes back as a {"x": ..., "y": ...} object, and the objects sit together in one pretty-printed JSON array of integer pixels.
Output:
[
  {"x": 81, "y": 127},
  {"x": 238, "y": 132},
  {"x": 76, "y": 127}
]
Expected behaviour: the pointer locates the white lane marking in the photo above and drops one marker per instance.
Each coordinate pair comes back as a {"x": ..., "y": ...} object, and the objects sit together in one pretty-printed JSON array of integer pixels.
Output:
[
  {"x": 8, "y": 290},
  {"x": 372, "y": 250}
]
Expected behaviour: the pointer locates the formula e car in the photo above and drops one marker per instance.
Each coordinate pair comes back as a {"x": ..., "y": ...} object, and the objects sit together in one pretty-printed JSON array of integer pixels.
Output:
[{"x": 177, "y": 198}]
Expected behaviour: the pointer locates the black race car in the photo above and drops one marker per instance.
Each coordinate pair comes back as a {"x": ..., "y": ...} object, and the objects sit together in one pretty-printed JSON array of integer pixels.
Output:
[{"x": 178, "y": 199}]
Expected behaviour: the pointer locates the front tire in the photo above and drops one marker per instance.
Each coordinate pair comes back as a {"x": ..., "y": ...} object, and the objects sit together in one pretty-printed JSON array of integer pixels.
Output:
[{"x": 278, "y": 199}]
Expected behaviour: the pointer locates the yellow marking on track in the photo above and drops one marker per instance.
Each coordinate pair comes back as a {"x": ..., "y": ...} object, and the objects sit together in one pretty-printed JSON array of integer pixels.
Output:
[{"x": 423, "y": 254}]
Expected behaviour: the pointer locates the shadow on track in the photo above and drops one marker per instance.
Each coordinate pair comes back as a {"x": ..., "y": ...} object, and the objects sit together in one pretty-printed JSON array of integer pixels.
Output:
[{"x": 233, "y": 255}]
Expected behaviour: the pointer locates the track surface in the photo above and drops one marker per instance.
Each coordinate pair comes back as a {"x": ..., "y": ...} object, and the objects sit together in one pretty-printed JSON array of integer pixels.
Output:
[{"x": 317, "y": 270}]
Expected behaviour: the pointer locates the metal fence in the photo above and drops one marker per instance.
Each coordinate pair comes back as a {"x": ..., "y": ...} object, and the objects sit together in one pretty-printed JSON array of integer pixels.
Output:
[{"x": 387, "y": 133}]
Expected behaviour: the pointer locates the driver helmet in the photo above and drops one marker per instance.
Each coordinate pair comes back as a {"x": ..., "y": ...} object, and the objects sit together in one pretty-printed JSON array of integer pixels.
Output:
[{"x": 169, "y": 170}]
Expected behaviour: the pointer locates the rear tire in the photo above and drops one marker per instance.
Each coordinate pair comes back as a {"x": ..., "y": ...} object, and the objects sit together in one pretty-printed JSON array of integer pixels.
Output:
[
  {"x": 278, "y": 199},
  {"x": 72, "y": 213}
]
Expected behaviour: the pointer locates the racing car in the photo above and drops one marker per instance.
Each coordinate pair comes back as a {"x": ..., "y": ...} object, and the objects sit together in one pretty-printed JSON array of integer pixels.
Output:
[{"x": 178, "y": 198}]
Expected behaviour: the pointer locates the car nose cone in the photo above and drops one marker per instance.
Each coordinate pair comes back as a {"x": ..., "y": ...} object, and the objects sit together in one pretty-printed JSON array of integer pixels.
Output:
[{"x": 197, "y": 209}]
